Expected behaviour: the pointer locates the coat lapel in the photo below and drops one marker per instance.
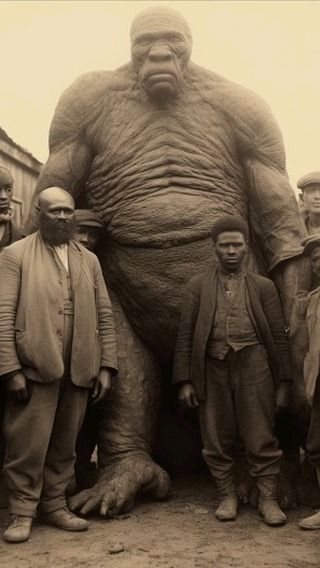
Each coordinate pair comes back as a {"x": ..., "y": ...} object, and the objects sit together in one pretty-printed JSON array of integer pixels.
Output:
[{"x": 75, "y": 264}]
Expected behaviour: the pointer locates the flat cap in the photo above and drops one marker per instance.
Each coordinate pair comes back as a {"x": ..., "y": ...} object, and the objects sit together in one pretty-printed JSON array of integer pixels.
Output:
[
  {"x": 312, "y": 177},
  {"x": 310, "y": 243},
  {"x": 87, "y": 218}
]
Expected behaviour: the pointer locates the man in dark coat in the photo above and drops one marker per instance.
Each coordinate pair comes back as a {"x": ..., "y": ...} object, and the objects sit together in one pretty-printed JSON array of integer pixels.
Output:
[
  {"x": 231, "y": 357},
  {"x": 9, "y": 233}
]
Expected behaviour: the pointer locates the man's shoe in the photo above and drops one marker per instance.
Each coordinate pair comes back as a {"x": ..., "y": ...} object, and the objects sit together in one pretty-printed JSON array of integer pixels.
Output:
[
  {"x": 271, "y": 512},
  {"x": 66, "y": 520},
  {"x": 19, "y": 529},
  {"x": 311, "y": 523},
  {"x": 227, "y": 510}
]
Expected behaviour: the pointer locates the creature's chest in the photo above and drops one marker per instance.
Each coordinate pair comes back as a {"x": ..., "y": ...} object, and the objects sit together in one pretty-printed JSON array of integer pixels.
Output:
[{"x": 131, "y": 134}]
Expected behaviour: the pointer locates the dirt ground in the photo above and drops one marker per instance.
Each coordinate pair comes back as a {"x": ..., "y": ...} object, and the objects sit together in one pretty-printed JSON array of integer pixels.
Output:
[{"x": 179, "y": 533}]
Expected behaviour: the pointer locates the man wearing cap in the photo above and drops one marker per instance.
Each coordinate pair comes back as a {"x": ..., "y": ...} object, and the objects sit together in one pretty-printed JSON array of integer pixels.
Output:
[
  {"x": 88, "y": 228},
  {"x": 57, "y": 340},
  {"x": 87, "y": 233},
  {"x": 310, "y": 200},
  {"x": 308, "y": 307}
]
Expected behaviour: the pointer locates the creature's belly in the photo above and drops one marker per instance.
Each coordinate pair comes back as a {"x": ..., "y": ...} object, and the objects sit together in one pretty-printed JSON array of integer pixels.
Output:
[{"x": 150, "y": 283}]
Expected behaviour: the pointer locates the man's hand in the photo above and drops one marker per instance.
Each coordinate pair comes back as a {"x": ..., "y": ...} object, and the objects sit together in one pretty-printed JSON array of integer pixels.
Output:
[
  {"x": 102, "y": 385},
  {"x": 282, "y": 395},
  {"x": 17, "y": 387},
  {"x": 187, "y": 395}
]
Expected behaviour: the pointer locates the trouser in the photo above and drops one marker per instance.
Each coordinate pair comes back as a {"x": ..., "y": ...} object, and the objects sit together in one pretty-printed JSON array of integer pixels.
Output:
[
  {"x": 86, "y": 442},
  {"x": 40, "y": 440},
  {"x": 313, "y": 437},
  {"x": 239, "y": 403},
  {"x": 2, "y": 408}
]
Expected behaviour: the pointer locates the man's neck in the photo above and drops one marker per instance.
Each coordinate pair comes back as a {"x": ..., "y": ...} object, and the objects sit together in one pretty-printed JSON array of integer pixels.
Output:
[
  {"x": 314, "y": 220},
  {"x": 237, "y": 271}
]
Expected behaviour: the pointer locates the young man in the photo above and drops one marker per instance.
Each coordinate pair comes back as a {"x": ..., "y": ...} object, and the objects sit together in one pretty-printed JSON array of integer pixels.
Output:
[
  {"x": 310, "y": 200},
  {"x": 57, "y": 340},
  {"x": 310, "y": 309},
  {"x": 8, "y": 234},
  {"x": 88, "y": 228},
  {"x": 231, "y": 352}
]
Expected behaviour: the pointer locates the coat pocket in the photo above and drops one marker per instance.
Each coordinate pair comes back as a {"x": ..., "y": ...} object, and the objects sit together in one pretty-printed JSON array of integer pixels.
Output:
[{"x": 23, "y": 350}]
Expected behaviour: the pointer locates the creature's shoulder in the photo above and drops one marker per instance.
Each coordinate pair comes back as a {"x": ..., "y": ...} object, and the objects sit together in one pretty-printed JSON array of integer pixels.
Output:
[
  {"x": 234, "y": 99},
  {"x": 90, "y": 88}
]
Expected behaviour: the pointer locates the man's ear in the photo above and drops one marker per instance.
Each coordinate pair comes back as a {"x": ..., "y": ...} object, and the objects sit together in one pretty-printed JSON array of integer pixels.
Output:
[{"x": 301, "y": 198}]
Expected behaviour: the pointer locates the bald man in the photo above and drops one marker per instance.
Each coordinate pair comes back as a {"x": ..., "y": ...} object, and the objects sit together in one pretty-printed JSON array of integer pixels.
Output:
[{"x": 57, "y": 341}]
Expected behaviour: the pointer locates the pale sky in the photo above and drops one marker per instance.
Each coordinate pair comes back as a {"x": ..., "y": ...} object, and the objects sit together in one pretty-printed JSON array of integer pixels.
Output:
[{"x": 271, "y": 47}]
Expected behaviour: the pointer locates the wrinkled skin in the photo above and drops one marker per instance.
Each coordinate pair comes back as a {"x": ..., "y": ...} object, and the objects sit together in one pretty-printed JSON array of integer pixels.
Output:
[{"x": 161, "y": 148}]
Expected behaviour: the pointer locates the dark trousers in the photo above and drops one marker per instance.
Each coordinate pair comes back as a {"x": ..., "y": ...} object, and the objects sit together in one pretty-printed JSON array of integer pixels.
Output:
[
  {"x": 2, "y": 408},
  {"x": 313, "y": 437},
  {"x": 239, "y": 403},
  {"x": 41, "y": 438}
]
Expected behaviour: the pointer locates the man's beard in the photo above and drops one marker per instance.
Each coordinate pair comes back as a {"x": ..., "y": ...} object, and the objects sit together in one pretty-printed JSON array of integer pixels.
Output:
[{"x": 56, "y": 232}]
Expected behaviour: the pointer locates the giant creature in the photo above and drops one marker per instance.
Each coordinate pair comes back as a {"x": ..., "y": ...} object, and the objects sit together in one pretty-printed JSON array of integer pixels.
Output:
[{"x": 161, "y": 148}]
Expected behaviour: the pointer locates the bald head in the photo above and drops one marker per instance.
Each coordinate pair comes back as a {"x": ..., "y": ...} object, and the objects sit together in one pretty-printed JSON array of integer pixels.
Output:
[
  {"x": 6, "y": 186},
  {"x": 54, "y": 195},
  {"x": 161, "y": 45},
  {"x": 6, "y": 177},
  {"x": 56, "y": 215}
]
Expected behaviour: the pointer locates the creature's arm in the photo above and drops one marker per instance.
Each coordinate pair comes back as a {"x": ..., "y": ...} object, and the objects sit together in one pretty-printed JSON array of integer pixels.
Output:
[
  {"x": 70, "y": 155},
  {"x": 273, "y": 211}
]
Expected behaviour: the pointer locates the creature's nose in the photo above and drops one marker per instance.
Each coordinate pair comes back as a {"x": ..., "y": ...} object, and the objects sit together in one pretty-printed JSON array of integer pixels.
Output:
[{"x": 159, "y": 53}]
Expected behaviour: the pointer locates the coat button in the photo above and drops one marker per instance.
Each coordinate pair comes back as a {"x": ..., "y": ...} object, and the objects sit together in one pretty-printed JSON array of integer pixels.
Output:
[{"x": 60, "y": 312}]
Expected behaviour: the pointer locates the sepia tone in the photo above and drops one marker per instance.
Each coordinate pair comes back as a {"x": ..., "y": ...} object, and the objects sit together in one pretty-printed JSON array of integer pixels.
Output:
[{"x": 144, "y": 286}]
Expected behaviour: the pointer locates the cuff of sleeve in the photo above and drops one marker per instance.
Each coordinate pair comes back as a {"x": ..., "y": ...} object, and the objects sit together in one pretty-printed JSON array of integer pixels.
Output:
[
  {"x": 112, "y": 370},
  {"x": 10, "y": 375}
]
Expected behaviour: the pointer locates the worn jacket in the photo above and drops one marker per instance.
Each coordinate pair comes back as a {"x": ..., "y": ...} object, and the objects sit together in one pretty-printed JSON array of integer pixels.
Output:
[
  {"x": 31, "y": 313},
  {"x": 198, "y": 311}
]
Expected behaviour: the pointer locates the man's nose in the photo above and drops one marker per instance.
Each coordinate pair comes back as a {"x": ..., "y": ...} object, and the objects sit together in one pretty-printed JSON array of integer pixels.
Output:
[
  {"x": 3, "y": 195},
  {"x": 231, "y": 249},
  {"x": 62, "y": 215},
  {"x": 159, "y": 53}
]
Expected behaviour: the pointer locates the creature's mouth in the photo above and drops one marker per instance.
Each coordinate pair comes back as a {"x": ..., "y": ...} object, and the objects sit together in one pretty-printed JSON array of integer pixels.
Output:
[{"x": 156, "y": 80}]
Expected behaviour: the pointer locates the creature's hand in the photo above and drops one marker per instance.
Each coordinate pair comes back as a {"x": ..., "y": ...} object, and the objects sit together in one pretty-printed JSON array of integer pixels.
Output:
[
  {"x": 187, "y": 395},
  {"x": 102, "y": 385},
  {"x": 17, "y": 387},
  {"x": 119, "y": 483},
  {"x": 282, "y": 395}
]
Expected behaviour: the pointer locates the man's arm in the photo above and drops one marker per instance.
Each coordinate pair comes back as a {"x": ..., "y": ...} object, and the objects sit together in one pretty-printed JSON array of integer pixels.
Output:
[
  {"x": 10, "y": 281},
  {"x": 273, "y": 312}
]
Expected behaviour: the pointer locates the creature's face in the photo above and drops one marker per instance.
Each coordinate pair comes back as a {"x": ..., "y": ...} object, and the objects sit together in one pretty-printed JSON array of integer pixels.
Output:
[
  {"x": 5, "y": 197},
  {"x": 56, "y": 219},
  {"x": 86, "y": 236},
  {"x": 231, "y": 249},
  {"x": 311, "y": 198},
  {"x": 160, "y": 52},
  {"x": 315, "y": 260}
]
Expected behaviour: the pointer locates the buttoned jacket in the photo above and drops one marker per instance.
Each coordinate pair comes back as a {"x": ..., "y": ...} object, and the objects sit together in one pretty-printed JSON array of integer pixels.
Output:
[
  {"x": 31, "y": 313},
  {"x": 197, "y": 316}
]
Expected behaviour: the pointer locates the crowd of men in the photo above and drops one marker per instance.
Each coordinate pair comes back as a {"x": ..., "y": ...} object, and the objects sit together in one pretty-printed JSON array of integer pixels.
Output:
[{"x": 58, "y": 346}]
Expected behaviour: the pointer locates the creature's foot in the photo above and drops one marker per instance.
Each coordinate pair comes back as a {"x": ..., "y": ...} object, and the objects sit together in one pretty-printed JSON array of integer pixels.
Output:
[{"x": 119, "y": 483}]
